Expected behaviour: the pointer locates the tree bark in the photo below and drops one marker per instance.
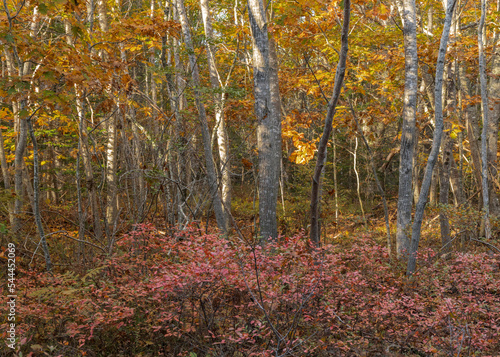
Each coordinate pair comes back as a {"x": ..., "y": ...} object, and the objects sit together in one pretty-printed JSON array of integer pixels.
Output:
[
  {"x": 493, "y": 118},
  {"x": 202, "y": 116},
  {"x": 6, "y": 179},
  {"x": 220, "y": 123},
  {"x": 472, "y": 125},
  {"x": 268, "y": 123},
  {"x": 111, "y": 144},
  {"x": 436, "y": 142},
  {"x": 481, "y": 37},
  {"x": 22, "y": 139},
  {"x": 327, "y": 129},
  {"x": 36, "y": 199},
  {"x": 444, "y": 189},
  {"x": 408, "y": 16}
]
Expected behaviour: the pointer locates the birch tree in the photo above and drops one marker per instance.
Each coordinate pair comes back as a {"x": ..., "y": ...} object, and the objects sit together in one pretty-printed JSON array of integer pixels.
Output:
[
  {"x": 202, "y": 116},
  {"x": 436, "y": 140},
  {"x": 219, "y": 96}
]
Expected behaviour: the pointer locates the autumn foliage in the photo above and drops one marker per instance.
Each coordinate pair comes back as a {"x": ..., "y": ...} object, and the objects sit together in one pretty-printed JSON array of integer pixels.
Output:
[{"x": 190, "y": 294}]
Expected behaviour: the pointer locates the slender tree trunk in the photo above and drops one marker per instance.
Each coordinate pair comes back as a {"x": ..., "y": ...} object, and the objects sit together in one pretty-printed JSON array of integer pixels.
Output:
[
  {"x": 457, "y": 186},
  {"x": 276, "y": 116},
  {"x": 335, "y": 183},
  {"x": 408, "y": 15},
  {"x": 20, "y": 123},
  {"x": 472, "y": 125},
  {"x": 111, "y": 173},
  {"x": 54, "y": 169},
  {"x": 205, "y": 133},
  {"x": 140, "y": 196},
  {"x": 176, "y": 160},
  {"x": 433, "y": 189},
  {"x": 111, "y": 144},
  {"x": 436, "y": 142},
  {"x": 416, "y": 169},
  {"x": 220, "y": 123},
  {"x": 455, "y": 106},
  {"x": 444, "y": 189},
  {"x": 20, "y": 127},
  {"x": 481, "y": 37},
  {"x": 375, "y": 175},
  {"x": 6, "y": 179},
  {"x": 493, "y": 119},
  {"x": 81, "y": 213},
  {"x": 173, "y": 189},
  {"x": 327, "y": 129},
  {"x": 22, "y": 139},
  {"x": 268, "y": 123},
  {"x": 36, "y": 199},
  {"x": 358, "y": 188}
]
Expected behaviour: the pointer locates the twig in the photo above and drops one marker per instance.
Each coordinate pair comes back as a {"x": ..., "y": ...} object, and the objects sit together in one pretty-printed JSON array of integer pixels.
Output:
[{"x": 486, "y": 243}]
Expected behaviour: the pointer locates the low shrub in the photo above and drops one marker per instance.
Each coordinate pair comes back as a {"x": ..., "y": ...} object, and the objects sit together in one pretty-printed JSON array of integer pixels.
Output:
[{"x": 200, "y": 295}]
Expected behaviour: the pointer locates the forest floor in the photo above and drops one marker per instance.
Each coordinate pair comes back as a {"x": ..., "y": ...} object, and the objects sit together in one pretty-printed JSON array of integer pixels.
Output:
[{"x": 192, "y": 293}]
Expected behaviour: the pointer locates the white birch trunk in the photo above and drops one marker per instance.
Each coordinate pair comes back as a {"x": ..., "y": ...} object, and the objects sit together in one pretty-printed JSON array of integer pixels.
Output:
[
  {"x": 205, "y": 133},
  {"x": 220, "y": 123},
  {"x": 436, "y": 142}
]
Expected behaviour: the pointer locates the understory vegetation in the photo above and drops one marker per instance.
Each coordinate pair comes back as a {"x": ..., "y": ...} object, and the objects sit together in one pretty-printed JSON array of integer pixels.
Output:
[{"x": 194, "y": 294}]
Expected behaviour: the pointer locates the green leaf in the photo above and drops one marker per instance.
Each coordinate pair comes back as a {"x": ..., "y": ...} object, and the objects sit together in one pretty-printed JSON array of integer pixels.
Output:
[
  {"x": 9, "y": 38},
  {"x": 43, "y": 8},
  {"x": 3, "y": 228},
  {"x": 24, "y": 113}
]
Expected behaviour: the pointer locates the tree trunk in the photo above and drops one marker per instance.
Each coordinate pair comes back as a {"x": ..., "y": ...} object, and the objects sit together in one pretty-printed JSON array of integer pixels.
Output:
[
  {"x": 481, "y": 37},
  {"x": 493, "y": 118},
  {"x": 433, "y": 189},
  {"x": 173, "y": 189},
  {"x": 444, "y": 189},
  {"x": 315, "y": 233},
  {"x": 220, "y": 123},
  {"x": 276, "y": 115},
  {"x": 416, "y": 169},
  {"x": 111, "y": 147},
  {"x": 22, "y": 139},
  {"x": 205, "y": 133},
  {"x": 405, "y": 194},
  {"x": 436, "y": 142},
  {"x": 456, "y": 183},
  {"x": 268, "y": 123},
  {"x": 111, "y": 174},
  {"x": 472, "y": 125},
  {"x": 36, "y": 199},
  {"x": 6, "y": 179}
]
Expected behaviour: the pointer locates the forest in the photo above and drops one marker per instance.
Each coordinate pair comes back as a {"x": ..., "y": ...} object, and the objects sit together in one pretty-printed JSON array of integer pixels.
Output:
[{"x": 249, "y": 178}]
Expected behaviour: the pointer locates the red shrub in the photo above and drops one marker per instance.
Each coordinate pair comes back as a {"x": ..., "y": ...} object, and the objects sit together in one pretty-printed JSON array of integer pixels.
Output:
[{"x": 191, "y": 293}]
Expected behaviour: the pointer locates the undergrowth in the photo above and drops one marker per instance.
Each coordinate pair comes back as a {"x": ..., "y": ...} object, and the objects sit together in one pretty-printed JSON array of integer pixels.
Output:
[{"x": 189, "y": 294}]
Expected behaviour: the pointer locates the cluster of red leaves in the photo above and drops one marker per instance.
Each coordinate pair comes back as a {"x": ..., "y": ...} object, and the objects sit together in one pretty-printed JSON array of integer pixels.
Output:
[{"x": 190, "y": 293}]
